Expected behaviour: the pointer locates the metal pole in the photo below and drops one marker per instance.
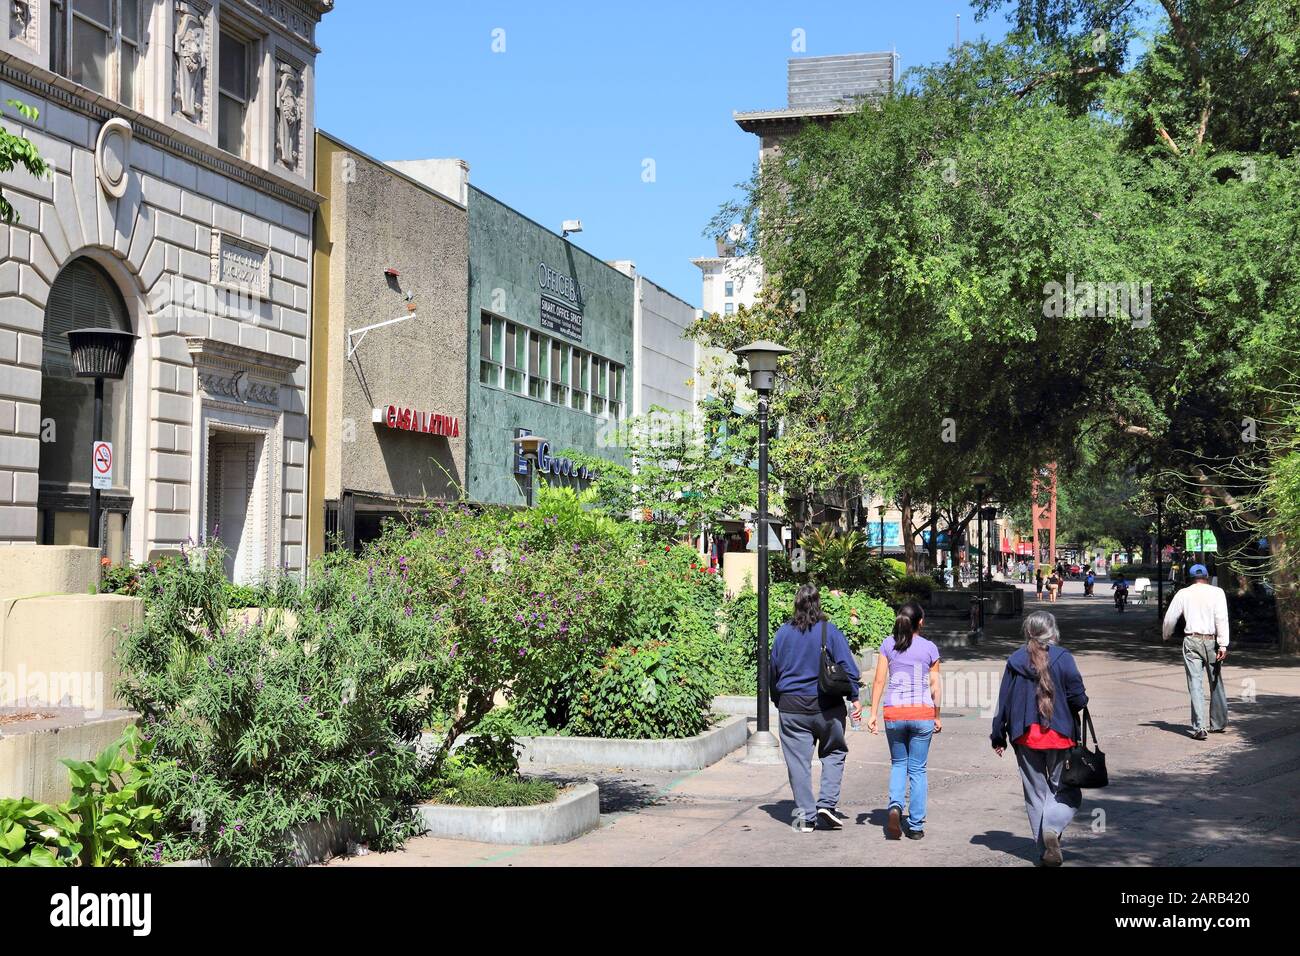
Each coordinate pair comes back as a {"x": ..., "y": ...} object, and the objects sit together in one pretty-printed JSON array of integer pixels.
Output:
[
  {"x": 93, "y": 538},
  {"x": 980, "y": 565},
  {"x": 1160, "y": 559},
  {"x": 882, "y": 536},
  {"x": 764, "y": 694}
]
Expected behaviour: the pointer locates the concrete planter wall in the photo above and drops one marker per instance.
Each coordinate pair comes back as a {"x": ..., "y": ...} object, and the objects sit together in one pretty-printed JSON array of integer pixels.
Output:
[
  {"x": 575, "y": 812},
  {"x": 313, "y": 843},
  {"x": 691, "y": 753}
]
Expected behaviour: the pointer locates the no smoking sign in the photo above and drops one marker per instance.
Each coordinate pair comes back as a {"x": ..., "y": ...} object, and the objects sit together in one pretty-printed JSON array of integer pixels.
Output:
[{"x": 101, "y": 462}]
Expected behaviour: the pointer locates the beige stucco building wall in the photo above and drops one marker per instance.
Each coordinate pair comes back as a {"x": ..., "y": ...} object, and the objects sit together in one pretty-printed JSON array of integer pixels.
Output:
[{"x": 375, "y": 219}]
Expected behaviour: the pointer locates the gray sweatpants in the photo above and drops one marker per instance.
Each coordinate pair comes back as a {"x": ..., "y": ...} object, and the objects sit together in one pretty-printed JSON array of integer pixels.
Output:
[
  {"x": 1049, "y": 804},
  {"x": 798, "y": 734}
]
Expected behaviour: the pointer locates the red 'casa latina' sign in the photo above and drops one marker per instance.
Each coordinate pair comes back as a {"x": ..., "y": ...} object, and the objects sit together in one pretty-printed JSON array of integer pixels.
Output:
[{"x": 410, "y": 420}]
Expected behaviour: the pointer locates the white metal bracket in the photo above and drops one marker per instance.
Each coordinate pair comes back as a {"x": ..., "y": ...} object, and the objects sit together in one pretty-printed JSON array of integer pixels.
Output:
[{"x": 361, "y": 333}]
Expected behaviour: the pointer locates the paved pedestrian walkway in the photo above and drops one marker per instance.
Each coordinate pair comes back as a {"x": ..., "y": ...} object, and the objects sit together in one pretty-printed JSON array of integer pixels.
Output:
[{"x": 1232, "y": 800}]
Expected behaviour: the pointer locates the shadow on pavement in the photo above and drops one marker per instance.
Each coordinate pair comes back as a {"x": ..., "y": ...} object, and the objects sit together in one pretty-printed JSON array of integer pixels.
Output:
[{"x": 1012, "y": 844}]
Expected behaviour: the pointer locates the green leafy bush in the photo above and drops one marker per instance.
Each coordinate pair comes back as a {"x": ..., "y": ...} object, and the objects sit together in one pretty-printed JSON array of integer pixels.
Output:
[
  {"x": 268, "y": 729},
  {"x": 642, "y": 689},
  {"x": 836, "y": 560},
  {"x": 865, "y": 621},
  {"x": 109, "y": 801},
  {"x": 36, "y": 834},
  {"x": 913, "y": 587},
  {"x": 108, "y": 821},
  {"x": 476, "y": 787}
]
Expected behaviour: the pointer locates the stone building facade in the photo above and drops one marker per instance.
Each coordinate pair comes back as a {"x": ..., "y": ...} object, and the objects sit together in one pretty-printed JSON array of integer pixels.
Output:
[{"x": 179, "y": 208}]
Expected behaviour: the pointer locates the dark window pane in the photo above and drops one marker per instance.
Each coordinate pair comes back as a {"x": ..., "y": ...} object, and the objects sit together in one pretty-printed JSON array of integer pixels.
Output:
[
  {"x": 88, "y": 64},
  {"x": 234, "y": 67},
  {"x": 230, "y": 125}
]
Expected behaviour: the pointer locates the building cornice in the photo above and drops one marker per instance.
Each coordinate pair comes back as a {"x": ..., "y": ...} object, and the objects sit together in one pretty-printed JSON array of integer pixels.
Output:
[
  {"x": 78, "y": 98},
  {"x": 224, "y": 354}
]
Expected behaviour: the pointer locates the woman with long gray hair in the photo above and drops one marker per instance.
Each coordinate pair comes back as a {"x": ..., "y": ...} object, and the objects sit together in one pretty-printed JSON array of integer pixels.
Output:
[{"x": 1038, "y": 706}]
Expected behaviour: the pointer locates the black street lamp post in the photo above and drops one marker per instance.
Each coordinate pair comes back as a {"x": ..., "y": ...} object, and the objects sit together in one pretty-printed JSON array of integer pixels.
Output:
[
  {"x": 762, "y": 358},
  {"x": 1160, "y": 556},
  {"x": 880, "y": 509},
  {"x": 981, "y": 482},
  {"x": 101, "y": 354}
]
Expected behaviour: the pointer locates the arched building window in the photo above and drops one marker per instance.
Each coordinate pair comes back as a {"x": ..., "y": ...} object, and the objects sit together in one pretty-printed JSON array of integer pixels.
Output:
[{"x": 82, "y": 297}]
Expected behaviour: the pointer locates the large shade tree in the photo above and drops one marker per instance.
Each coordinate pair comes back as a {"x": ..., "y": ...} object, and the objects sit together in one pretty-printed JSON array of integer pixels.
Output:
[{"x": 1082, "y": 237}]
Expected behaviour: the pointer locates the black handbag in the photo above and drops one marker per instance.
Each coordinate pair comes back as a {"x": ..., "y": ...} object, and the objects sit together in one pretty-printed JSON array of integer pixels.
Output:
[
  {"x": 831, "y": 679},
  {"x": 1085, "y": 768}
]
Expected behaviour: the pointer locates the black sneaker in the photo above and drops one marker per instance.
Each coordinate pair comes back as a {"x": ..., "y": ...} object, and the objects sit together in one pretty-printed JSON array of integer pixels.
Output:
[
  {"x": 800, "y": 825},
  {"x": 828, "y": 819},
  {"x": 1199, "y": 735},
  {"x": 894, "y": 828},
  {"x": 915, "y": 834}
]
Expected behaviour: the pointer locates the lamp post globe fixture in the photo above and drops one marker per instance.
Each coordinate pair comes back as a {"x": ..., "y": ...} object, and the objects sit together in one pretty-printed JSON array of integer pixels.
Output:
[
  {"x": 101, "y": 354},
  {"x": 762, "y": 359}
]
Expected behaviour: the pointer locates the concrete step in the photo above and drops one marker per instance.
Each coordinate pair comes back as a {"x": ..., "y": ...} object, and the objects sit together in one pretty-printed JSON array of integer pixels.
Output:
[
  {"x": 34, "y": 740},
  {"x": 31, "y": 569},
  {"x": 60, "y": 650}
]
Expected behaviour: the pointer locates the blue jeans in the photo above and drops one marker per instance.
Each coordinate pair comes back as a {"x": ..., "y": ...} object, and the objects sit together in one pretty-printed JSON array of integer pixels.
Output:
[
  {"x": 909, "y": 749},
  {"x": 1198, "y": 660}
]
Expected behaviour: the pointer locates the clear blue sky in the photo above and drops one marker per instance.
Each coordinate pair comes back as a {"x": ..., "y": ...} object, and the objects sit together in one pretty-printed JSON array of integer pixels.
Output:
[{"x": 558, "y": 125}]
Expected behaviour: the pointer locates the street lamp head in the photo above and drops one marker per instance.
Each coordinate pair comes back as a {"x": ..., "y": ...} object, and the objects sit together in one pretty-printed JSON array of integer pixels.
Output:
[
  {"x": 762, "y": 358},
  {"x": 100, "y": 353},
  {"x": 981, "y": 480},
  {"x": 530, "y": 446},
  {"x": 881, "y": 509}
]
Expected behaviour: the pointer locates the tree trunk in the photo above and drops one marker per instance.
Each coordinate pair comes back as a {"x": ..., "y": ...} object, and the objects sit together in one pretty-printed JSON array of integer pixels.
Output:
[
  {"x": 1288, "y": 595},
  {"x": 909, "y": 540},
  {"x": 934, "y": 538}
]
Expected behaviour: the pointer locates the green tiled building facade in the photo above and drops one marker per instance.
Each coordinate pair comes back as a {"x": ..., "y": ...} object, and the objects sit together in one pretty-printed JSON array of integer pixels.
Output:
[{"x": 550, "y": 349}]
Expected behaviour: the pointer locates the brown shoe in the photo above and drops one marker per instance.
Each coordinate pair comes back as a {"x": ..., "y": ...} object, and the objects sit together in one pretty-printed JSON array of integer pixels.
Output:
[
  {"x": 894, "y": 828},
  {"x": 1051, "y": 848}
]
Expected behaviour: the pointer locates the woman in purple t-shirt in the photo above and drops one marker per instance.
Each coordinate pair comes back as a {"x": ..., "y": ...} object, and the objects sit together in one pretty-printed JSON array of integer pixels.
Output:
[{"x": 909, "y": 665}]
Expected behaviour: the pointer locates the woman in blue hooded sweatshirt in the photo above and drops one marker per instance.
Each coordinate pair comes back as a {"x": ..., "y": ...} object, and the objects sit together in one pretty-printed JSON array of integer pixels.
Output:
[{"x": 1038, "y": 705}]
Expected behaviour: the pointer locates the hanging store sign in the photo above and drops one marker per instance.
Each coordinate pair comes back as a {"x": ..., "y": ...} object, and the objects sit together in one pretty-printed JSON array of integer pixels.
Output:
[
  {"x": 547, "y": 464},
  {"x": 411, "y": 420}
]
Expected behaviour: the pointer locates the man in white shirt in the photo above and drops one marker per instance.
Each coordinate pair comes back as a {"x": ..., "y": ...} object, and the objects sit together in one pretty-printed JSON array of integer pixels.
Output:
[{"x": 1204, "y": 610}]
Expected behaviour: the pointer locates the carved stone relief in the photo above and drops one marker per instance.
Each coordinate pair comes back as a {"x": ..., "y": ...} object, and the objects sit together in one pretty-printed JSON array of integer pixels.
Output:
[
  {"x": 289, "y": 110},
  {"x": 239, "y": 387},
  {"x": 191, "y": 54},
  {"x": 22, "y": 21}
]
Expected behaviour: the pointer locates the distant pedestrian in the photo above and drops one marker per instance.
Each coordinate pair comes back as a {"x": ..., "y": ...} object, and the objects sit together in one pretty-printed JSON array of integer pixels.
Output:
[
  {"x": 806, "y": 716},
  {"x": 909, "y": 665},
  {"x": 1053, "y": 585},
  {"x": 1038, "y": 579},
  {"x": 1204, "y": 609},
  {"x": 1088, "y": 582},
  {"x": 1039, "y": 701}
]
